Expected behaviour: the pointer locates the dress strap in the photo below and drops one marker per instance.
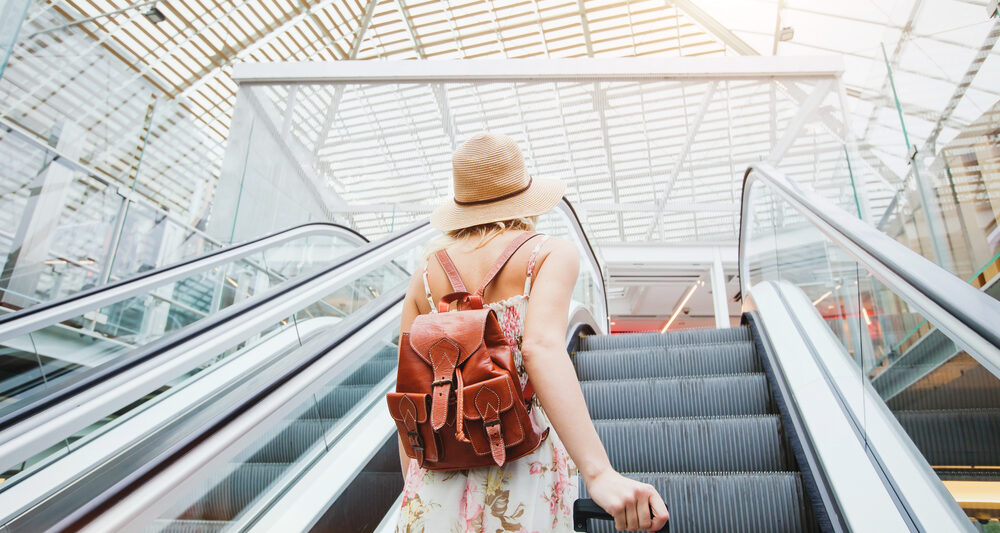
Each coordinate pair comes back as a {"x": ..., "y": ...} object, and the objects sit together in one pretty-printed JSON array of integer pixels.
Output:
[
  {"x": 504, "y": 257},
  {"x": 531, "y": 265},
  {"x": 427, "y": 290}
]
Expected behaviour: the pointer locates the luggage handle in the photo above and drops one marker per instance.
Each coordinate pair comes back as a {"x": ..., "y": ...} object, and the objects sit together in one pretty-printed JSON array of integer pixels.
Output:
[{"x": 585, "y": 509}]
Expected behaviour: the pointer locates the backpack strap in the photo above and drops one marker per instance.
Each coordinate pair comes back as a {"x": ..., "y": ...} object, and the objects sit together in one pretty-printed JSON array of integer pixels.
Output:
[
  {"x": 448, "y": 266},
  {"x": 504, "y": 257}
]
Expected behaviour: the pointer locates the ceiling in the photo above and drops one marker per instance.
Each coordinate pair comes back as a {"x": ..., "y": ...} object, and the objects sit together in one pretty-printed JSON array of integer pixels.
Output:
[
  {"x": 157, "y": 100},
  {"x": 183, "y": 64}
]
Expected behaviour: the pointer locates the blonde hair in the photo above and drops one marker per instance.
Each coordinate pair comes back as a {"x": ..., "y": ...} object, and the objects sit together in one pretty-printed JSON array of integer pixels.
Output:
[{"x": 485, "y": 232}]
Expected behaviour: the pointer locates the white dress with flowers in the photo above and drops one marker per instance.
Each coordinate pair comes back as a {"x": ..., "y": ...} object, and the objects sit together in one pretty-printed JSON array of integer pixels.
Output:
[{"x": 532, "y": 494}]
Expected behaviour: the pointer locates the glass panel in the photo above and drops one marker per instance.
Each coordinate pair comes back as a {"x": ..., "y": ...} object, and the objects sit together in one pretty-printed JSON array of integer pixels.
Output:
[
  {"x": 946, "y": 401},
  {"x": 255, "y": 357},
  {"x": 34, "y": 361},
  {"x": 587, "y": 291},
  {"x": 964, "y": 185},
  {"x": 247, "y": 485},
  {"x": 64, "y": 231}
]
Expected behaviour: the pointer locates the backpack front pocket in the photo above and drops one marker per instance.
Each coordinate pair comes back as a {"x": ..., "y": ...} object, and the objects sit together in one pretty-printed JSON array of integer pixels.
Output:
[
  {"x": 495, "y": 417},
  {"x": 409, "y": 411}
]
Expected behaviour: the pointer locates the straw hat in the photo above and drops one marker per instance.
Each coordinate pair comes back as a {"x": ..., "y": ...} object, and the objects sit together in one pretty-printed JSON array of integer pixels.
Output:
[{"x": 491, "y": 184}]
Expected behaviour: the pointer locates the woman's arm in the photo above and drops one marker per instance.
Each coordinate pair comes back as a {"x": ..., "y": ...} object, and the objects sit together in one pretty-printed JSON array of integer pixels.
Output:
[
  {"x": 558, "y": 389},
  {"x": 414, "y": 292}
]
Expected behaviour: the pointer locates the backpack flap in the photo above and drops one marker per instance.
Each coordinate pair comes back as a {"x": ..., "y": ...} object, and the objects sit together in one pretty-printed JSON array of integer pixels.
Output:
[
  {"x": 445, "y": 341},
  {"x": 493, "y": 422},
  {"x": 409, "y": 410}
]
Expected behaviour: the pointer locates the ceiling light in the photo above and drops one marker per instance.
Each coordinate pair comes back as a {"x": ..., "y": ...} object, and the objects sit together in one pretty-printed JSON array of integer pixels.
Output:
[
  {"x": 154, "y": 15},
  {"x": 786, "y": 33},
  {"x": 821, "y": 298},
  {"x": 680, "y": 306}
]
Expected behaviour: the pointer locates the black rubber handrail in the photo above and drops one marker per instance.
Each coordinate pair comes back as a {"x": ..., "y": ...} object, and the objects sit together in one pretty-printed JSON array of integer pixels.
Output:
[
  {"x": 47, "y": 398},
  {"x": 108, "y": 498},
  {"x": 590, "y": 249},
  {"x": 970, "y": 306},
  {"x": 35, "y": 309}
]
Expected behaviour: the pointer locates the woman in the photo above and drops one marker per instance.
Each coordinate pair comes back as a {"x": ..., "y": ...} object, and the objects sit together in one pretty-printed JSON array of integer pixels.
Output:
[{"x": 495, "y": 202}]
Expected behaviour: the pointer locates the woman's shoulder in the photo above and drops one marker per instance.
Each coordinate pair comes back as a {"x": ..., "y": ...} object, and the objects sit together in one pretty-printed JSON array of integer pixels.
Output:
[{"x": 557, "y": 247}]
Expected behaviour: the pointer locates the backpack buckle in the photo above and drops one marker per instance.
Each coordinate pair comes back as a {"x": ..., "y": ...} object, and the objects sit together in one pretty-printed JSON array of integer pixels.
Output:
[{"x": 437, "y": 382}]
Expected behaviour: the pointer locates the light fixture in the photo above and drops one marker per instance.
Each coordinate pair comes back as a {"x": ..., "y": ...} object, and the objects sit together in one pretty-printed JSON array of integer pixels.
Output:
[
  {"x": 821, "y": 298},
  {"x": 681, "y": 305},
  {"x": 786, "y": 33},
  {"x": 154, "y": 15}
]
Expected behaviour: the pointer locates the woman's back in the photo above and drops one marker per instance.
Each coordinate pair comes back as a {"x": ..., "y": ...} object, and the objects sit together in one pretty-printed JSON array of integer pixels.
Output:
[{"x": 474, "y": 262}]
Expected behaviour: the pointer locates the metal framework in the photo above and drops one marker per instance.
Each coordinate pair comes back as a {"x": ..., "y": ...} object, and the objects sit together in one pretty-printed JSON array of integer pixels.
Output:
[{"x": 397, "y": 122}]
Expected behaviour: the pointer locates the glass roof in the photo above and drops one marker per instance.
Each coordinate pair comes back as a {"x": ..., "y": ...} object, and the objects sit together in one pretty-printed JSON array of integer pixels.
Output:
[{"x": 185, "y": 63}]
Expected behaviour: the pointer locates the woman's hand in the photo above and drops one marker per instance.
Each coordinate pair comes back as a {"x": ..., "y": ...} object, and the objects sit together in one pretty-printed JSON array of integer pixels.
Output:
[{"x": 628, "y": 501}]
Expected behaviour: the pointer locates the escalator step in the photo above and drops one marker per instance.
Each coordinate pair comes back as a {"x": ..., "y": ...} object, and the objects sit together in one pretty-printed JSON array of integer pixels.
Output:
[
  {"x": 372, "y": 372},
  {"x": 225, "y": 498},
  {"x": 722, "y": 503},
  {"x": 734, "y": 395},
  {"x": 967, "y": 437},
  {"x": 341, "y": 400},
  {"x": 187, "y": 526},
  {"x": 687, "y": 336},
  {"x": 290, "y": 442},
  {"x": 663, "y": 361},
  {"x": 725, "y": 444},
  {"x": 363, "y": 504}
]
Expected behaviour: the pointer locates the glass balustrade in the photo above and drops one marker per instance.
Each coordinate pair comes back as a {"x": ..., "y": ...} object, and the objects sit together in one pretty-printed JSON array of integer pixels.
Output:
[
  {"x": 942, "y": 395},
  {"x": 211, "y": 375},
  {"x": 37, "y": 360}
]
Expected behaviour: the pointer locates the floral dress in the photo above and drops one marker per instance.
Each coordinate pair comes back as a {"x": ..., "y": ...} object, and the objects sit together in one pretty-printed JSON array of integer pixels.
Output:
[{"x": 529, "y": 495}]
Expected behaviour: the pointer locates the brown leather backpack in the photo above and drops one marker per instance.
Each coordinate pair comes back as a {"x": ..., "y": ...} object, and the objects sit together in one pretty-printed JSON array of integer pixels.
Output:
[{"x": 458, "y": 402}]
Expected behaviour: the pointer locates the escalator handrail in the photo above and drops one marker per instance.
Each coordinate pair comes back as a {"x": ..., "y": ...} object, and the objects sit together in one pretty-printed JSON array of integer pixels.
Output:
[
  {"x": 594, "y": 259},
  {"x": 55, "y": 311},
  {"x": 51, "y": 397},
  {"x": 131, "y": 483},
  {"x": 970, "y": 316}
]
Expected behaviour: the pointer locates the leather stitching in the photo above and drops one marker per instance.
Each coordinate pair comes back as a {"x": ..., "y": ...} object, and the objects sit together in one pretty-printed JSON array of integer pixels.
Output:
[
  {"x": 475, "y": 401},
  {"x": 437, "y": 363}
]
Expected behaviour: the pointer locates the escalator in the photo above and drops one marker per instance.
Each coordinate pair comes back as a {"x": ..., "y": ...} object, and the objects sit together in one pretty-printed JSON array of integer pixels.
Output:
[
  {"x": 691, "y": 413},
  {"x": 104, "y": 420},
  {"x": 773, "y": 426},
  {"x": 236, "y": 365}
]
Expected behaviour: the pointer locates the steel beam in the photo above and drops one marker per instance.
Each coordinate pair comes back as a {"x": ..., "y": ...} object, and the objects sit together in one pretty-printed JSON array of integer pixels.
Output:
[
  {"x": 963, "y": 86},
  {"x": 719, "y": 297},
  {"x": 903, "y": 36},
  {"x": 585, "y": 25},
  {"x": 806, "y": 110},
  {"x": 404, "y": 12},
  {"x": 692, "y": 132},
  {"x": 702, "y": 68},
  {"x": 261, "y": 40}
]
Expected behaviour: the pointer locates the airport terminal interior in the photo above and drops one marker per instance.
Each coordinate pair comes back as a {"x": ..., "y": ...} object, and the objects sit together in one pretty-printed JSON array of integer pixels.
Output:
[{"x": 787, "y": 214}]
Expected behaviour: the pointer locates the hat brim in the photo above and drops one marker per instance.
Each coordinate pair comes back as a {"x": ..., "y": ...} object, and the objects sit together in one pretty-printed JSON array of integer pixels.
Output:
[{"x": 539, "y": 198}]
